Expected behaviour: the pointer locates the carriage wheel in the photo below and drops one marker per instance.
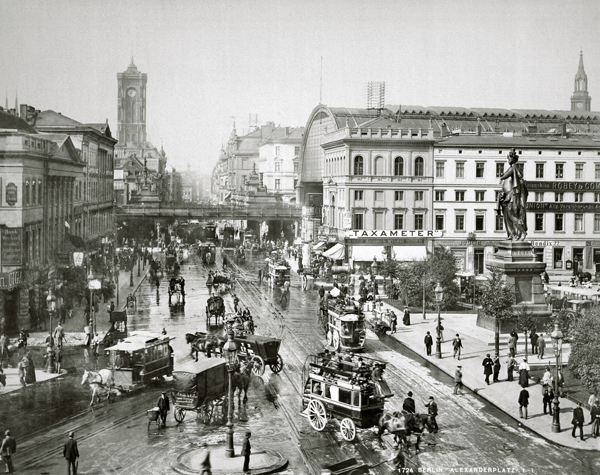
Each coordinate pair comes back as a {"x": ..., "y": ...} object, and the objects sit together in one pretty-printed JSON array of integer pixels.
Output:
[
  {"x": 336, "y": 341},
  {"x": 348, "y": 429},
  {"x": 258, "y": 368},
  {"x": 179, "y": 414},
  {"x": 317, "y": 415},
  {"x": 329, "y": 337},
  {"x": 278, "y": 366},
  {"x": 206, "y": 411},
  {"x": 304, "y": 282}
]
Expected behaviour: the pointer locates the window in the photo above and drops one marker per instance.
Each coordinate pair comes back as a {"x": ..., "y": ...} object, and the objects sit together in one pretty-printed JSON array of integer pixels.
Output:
[
  {"x": 419, "y": 166},
  {"x": 419, "y": 221},
  {"x": 398, "y": 166},
  {"x": 539, "y": 196},
  {"x": 521, "y": 168},
  {"x": 296, "y": 150},
  {"x": 33, "y": 192},
  {"x": 379, "y": 165},
  {"x": 379, "y": 220},
  {"x": 277, "y": 166},
  {"x": 578, "y": 222},
  {"x": 358, "y": 195},
  {"x": 26, "y": 200},
  {"x": 539, "y": 221},
  {"x": 399, "y": 195},
  {"x": 418, "y": 196},
  {"x": 539, "y": 170},
  {"x": 439, "y": 222},
  {"x": 357, "y": 221},
  {"x": 40, "y": 192},
  {"x": 295, "y": 167},
  {"x": 559, "y": 170},
  {"x": 439, "y": 195},
  {"x": 499, "y": 223},
  {"x": 480, "y": 196},
  {"x": 277, "y": 184},
  {"x": 558, "y": 257},
  {"x": 597, "y": 170},
  {"x": 439, "y": 169},
  {"x": 559, "y": 196},
  {"x": 277, "y": 150},
  {"x": 399, "y": 221},
  {"x": 496, "y": 195},
  {"x": 597, "y": 223},
  {"x": 460, "y": 222},
  {"x": 358, "y": 165},
  {"x": 559, "y": 222},
  {"x": 578, "y": 197},
  {"x": 479, "y": 222},
  {"x": 379, "y": 196},
  {"x": 460, "y": 196},
  {"x": 479, "y": 169},
  {"x": 579, "y": 170},
  {"x": 460, "y": 170},
  {"x": 499, "y": 169}
]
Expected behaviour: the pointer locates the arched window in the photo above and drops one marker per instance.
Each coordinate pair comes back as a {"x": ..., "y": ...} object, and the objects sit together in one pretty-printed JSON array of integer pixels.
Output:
[
  {"x": 379, "y": 164},
  {"x": 358, "y": 165},
  {"x": 398, "y": 166},
  {"x": 33, "y": 192},
  {"x": 419, "y": 166}
]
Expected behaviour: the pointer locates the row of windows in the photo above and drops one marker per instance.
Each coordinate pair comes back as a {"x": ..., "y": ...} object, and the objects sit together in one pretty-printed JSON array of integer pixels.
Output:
[
  {"x": 379, "y": 166},
  {"x": 559, "y": 196},
  {"x": 520, "y": 152},
  {"x": 379, "y": 195},
  {"x": 540, "y": 170},
  {"x": 379, "y": 217}
]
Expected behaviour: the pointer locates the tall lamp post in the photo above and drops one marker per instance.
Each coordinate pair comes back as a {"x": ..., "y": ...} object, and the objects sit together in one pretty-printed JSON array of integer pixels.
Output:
[
  {"x": 118, "y": 271},
  {"x": 439, "y": 296},
  {"x": 557, "y": 337},
  {"x": 93, "y": 284},
  {"x": 230, "y": 350},
  {"x": 51, "y": 306}
]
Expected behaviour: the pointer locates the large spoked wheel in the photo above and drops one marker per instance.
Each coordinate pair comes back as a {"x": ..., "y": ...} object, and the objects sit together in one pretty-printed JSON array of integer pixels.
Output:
[
  {"x": 179, "y": 414},
  {"x": 317, "y": 415},
  {"x": 258, "y": 368},
  {"x": 206, "y": 411},
  {"x": 278, "y": 366},
  {"x": 336, "y": 341},
  {"x": 348, "y": 429},
  {"x": 329, "y": 337}
]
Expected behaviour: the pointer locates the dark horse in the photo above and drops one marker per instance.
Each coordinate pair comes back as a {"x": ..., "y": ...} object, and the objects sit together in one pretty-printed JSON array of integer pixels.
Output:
[
  {"x": 241, "y": 381},
  {"x": 402, "y": 425},
  {"x": 204, "y": 342}
]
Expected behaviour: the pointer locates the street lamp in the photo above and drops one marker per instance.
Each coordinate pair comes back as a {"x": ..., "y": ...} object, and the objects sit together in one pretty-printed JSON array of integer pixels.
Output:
[
  {"x": 93, "y": 284},
  {"x": 51, "y": 306},
  {"x": 557, "y": 337},
  {"x": 439, "y": 296},
  {"x": 230, "y": 350},
  {"x": 117, "y": 273}
]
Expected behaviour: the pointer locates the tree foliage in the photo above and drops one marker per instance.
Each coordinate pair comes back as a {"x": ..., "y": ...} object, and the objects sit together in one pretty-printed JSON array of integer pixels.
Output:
[
  {"x": 584, "y": 361},
  {"x": 497, "y": 298}
]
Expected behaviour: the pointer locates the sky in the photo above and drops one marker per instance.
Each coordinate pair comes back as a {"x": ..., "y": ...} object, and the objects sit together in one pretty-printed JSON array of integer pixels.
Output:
[{"x": 210, "y": 62}]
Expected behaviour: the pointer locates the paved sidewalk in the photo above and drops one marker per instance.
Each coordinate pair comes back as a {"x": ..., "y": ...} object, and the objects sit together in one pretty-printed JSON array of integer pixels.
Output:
[
  {"x": 477, "y": 342},
  {"x": 12, "y": 379}
]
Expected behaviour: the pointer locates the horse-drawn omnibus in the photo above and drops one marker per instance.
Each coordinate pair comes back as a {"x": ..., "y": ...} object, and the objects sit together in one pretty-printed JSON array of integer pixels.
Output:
[
  {"x": 278, "y": 273},
  {"x": 345, "y": 391},
  {"x": 139, "y": 358},
  {"x": 202, "y": 387},
  {"x": 215, "y": 310},
  {"x": 207, "y": 253},
  {"x": 343, "y": 325},
  {"x": 261, "y": 350}
]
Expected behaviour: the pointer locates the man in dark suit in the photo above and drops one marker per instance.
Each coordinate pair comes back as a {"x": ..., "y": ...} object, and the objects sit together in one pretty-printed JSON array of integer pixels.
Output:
[
  {"x": 8, "y": 448},
  {"x": 428, "y": 343},
  {"x": 409, "y": 404},
  {"x": 71, "y": 453},
  {"x": 163, "y": 406},
  {"x": 577, "y": 421},
  {"x": 246, "y": 452}
]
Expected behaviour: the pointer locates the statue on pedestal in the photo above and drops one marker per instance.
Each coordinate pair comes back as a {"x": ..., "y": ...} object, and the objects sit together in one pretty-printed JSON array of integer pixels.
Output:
[{"x": 512, "y": 201}]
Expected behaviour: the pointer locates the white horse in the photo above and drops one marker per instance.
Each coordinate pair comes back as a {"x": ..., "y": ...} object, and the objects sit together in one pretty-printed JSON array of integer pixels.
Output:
[{"x": 99, "y": 381}]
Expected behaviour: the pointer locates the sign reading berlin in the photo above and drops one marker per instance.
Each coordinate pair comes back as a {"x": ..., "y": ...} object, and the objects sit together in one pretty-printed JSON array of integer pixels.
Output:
[
  {"x": 387, "y": 233},
  {"x": 12, "y": 246}
]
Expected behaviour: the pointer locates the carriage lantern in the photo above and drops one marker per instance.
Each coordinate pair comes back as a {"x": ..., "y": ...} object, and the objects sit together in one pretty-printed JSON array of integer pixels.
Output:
[{"x": 230, "y": 351}]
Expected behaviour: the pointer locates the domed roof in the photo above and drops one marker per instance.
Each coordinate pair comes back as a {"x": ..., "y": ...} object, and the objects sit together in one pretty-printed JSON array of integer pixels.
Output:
[{"x": 9, "y": 121}]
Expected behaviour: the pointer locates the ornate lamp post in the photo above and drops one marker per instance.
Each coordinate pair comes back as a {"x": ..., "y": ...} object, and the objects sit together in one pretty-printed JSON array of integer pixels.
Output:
[
  {"x": 230, "y": 350},
  {"x": 131, "y": 273},
  {"x": 117, "y": 273},
  {"x": 439, "y": 296},
  {"x": 51, "y": 306},
  {"x": 557, "y": 337},
  {"x": 139, "y": 264}
]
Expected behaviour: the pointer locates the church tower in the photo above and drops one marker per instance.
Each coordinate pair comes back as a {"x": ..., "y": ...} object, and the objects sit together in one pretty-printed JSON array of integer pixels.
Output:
[
  {"x": 581, "y": 100},
  {"x": 131, "y": 127}
]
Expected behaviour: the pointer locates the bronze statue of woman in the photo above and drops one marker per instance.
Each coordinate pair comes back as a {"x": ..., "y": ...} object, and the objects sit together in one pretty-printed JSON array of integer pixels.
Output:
[{"x": 512, "y": 201}]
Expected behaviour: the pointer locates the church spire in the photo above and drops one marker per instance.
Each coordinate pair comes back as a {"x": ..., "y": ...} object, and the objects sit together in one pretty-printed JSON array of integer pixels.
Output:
[{"x": 580, "y": 100}]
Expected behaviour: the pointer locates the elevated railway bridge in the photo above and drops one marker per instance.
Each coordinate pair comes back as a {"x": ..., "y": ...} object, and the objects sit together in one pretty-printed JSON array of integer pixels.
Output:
[{"x": 207, "y": 212}]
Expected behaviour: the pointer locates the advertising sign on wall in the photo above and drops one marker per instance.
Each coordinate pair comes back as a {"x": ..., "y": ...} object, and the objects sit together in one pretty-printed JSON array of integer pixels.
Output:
[
  {"x": 11, "y": 194},
  {"x": 12, "y": 246}
]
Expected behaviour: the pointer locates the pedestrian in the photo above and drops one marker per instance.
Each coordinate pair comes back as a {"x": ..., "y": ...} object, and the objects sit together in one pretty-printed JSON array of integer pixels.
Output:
[
  {"x": 163, "y": 407},
  {"x": 457, "y": 379},
  {"x": 8, "y": 448},
  {"x": 440, "y": 331},
  {"x": 30, "y": 371},
  {"x": 432, "y": 410},
  {"x": 209, "y": 282},
  {"x": 577, "y": 421},
  {"x": 524, "y": 373},
  {"x": 22, "y": 366},
  {"x": 71, "y": 453},
  {"x": 204, "y": 459},
  {"x": 511, "y": 363},
  {"x": 488, "y": 365},
  {"x": 406, "y": 317},
  {"x": 4, "y": 342},
  {"x": 595, "y": 413},
  {"x": 260, "y": 276},
  {"x": 428, "y": 343},
  {"x": 512, "y": 345},
  {"x": 541, "y": 345},
  {"x": 457, "y": 345},
  {"x": 547, "y": 379},
  {"x": 246, "y": 450},
  {"x": 523, "y": 402},
  {"x": 58, "y": 358},
  {"x": 497, "y": 367},
  {"x": 534, "y": 338},
  {"x": 547, "y": 397},
  {"x": 59, "y": 335},
  {"x": 409, "y": 404},
  {"x": 50, "y": 358},
  {"x": 321, "y": 292},
  {"x": 393, "y": 321}
]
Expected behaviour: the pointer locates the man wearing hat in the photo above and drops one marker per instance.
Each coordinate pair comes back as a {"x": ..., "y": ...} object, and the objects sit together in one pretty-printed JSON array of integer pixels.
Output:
[
  {"x": 246, "y": 452},
  {"x": 432, "y": 410},
  {"x": 409, "y": 404},
  {"x": 488, "y": 365},
  {"x": 163, "y": 407},
  {"x": 8, "y": 448},
  {"x": 71, "y": 453},
  {"x": 457, "y": 379}
]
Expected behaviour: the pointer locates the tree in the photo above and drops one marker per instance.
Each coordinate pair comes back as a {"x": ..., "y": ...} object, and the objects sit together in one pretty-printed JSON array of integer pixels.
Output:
[
  {"x": 526, "y": 322},
  {"x": 584, "y": 361},
  {"x": 497, "y": 300}
]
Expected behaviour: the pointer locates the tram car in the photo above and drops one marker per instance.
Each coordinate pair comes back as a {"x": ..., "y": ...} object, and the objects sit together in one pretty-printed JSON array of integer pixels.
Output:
[
  {"x": 336, "y": 391},
  {"x": 278, "y": 273},
  {"x": 208, "y": 253},
  {"x": 140, "y": 358},
  {"x": 344, "y": 325}
]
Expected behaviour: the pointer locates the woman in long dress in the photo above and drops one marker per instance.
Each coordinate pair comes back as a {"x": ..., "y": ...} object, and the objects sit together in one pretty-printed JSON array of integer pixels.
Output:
[
  {"x": 524, "y": 373},
  {"x": 30, "y": 370}
]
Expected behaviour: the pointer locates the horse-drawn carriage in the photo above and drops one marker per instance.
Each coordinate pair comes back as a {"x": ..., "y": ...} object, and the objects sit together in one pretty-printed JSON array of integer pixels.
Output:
[
  {"x": 176, "y": 288},
  {"x": 202, "y": 387},
  {"x": 240, "y": 255},
  {"x": 278, "y": 273},
  {"x": 208, "y": 253},
  {"x": 171, "y": 263},
  {"x": 118, "y": 328},
  {"x": 261, "y": 350},
  {"x": 215, "y": 309},
  {"x": 343, "y": 324}
]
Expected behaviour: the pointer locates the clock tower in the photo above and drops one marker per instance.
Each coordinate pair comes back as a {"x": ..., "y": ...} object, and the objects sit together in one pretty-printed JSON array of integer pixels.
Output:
[
  {"x": 581, "y": 100},
  {"x": 131, "y": 125}
]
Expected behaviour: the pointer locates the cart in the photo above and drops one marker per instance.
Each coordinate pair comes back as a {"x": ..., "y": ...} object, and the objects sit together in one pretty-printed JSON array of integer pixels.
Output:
[
  {"x": 153, "y": 418},
  {"x": 202, "y": 387},
  {"x": 215, "y": 309},
  {"x": 262, "y": 351}
]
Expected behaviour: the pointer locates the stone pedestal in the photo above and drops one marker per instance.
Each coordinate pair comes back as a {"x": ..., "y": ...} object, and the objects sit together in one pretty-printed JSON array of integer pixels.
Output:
[{"x": 517, "y": 261}]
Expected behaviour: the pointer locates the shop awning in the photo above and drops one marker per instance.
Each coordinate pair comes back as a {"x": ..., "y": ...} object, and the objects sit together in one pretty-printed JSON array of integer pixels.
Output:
[
  {"x": 366, "y": 253},
  {"x": 318, "y": 246},
  {"x": 336, "y": 252},
  {"x": 409, "y": 253}
]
